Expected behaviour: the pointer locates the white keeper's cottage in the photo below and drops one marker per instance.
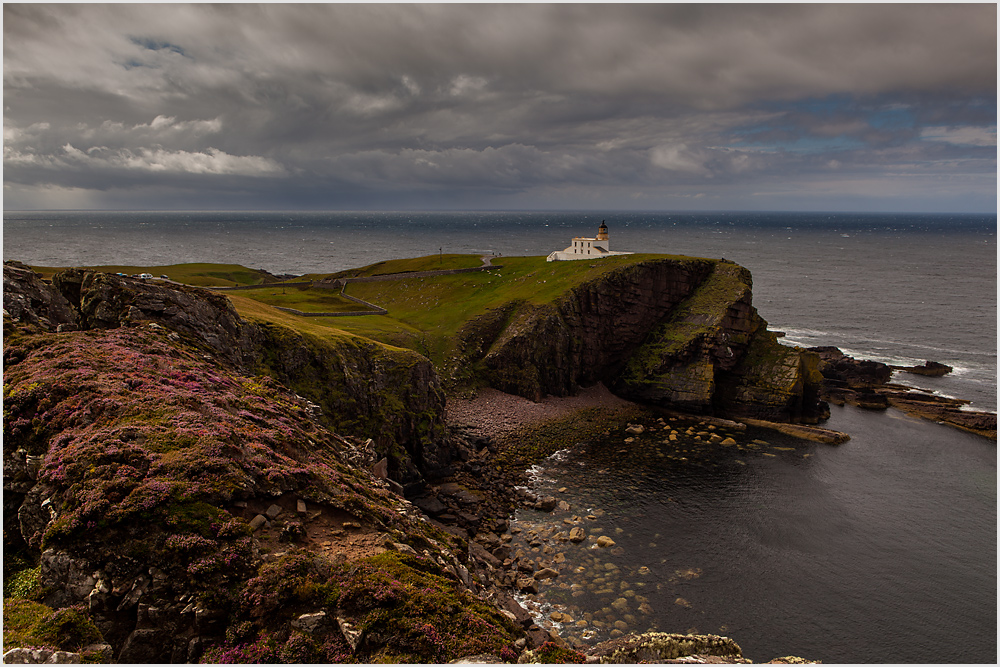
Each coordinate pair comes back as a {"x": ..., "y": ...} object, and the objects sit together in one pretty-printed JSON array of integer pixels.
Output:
[{"x": 587, "y": 248}]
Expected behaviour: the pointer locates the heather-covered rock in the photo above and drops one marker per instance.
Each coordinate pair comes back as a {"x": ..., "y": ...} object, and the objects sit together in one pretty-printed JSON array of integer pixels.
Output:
[
  {"x": 152, "y": 461},
  {"x": 360, "y": 387}
]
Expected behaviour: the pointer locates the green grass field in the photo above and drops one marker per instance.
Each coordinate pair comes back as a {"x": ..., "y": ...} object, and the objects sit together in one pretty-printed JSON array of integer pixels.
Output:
[{"x": 303, "y": 298}]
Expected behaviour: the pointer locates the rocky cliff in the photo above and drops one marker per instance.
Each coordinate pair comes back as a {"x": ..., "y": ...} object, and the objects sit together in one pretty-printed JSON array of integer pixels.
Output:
[
  {"x": 677, "y": 333},
  {"x": 163, "y": 503}
]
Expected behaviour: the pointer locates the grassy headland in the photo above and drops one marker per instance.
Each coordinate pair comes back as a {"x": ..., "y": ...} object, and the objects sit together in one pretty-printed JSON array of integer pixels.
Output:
[{"x": 427, "y": 312}]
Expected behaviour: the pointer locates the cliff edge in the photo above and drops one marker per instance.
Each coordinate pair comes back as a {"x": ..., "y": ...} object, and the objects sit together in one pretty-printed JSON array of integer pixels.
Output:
[{"x": 678, "y": 333}]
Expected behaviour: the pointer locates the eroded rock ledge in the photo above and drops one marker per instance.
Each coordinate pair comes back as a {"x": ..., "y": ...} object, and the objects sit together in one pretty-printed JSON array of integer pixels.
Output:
[{"x": 868, "y": 384}]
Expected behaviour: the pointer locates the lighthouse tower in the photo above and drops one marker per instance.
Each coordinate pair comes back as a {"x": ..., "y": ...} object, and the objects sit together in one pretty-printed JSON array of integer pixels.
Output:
[{"x": 602, "y": 234}]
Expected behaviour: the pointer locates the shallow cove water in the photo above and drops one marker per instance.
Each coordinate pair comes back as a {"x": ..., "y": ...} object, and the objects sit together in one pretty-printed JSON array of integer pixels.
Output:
[{"x": 882, "y": 549}]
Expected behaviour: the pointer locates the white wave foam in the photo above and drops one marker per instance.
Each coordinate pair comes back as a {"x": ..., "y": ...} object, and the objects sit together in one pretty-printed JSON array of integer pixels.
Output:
[
  {"x": 804, "y": 336},
  {"x": 561, "y": 455}
]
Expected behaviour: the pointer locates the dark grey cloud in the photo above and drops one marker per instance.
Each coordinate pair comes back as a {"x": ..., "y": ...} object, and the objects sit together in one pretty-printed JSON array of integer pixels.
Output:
[{"x": 374, "y": 105}]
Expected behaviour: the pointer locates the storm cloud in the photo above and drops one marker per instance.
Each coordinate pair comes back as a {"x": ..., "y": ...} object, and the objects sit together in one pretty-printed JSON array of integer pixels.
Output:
[{"x": 845, "y": 107}]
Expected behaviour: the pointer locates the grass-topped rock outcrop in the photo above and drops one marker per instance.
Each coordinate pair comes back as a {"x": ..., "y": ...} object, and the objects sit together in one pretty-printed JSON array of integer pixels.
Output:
[
  {"x": 670, "y": 331},
  {"x": 713, "y": 354}
]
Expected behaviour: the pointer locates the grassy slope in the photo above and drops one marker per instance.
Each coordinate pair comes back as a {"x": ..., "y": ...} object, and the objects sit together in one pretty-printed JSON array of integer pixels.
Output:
[
  {"x": 326, "y": 328},
  {"x": 304, "y": 299}
]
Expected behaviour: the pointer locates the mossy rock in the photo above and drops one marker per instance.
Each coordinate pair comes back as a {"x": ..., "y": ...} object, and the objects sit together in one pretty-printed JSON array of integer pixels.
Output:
[{"x": 27, "y": 623}]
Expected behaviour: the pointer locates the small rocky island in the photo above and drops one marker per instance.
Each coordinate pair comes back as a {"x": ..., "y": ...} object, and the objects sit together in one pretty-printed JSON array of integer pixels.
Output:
[{"x": 188, "y": 480}]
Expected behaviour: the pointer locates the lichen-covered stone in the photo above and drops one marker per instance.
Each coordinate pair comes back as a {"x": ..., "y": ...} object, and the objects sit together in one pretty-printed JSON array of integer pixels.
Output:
[
  {"x": 40, "y": 656},
  {"x": 661, "y": 646}
]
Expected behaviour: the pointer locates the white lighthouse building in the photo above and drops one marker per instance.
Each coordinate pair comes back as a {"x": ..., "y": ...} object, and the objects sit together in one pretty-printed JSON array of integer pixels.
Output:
[{"x": 587, "y": 248}]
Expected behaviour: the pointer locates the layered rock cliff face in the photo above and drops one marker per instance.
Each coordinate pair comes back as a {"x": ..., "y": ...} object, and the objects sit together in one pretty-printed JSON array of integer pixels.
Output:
[
  {"x": 365, "y": 388},
  {"x": 677, "y": 333}
]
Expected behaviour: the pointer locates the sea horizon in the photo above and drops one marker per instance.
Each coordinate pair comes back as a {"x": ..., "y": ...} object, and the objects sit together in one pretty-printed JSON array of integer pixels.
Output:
[{"x": 507, "y": 210}]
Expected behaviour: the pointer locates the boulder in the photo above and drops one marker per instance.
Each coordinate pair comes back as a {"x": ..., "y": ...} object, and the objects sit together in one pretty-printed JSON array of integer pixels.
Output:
[
  {"x": 27, "y": 298},
  {"x": 310, "y": 623},
  {"x": 930, "y": 368},
  {"x": 40, "y": 656},
  {"x": 430, "y": 505},
  {"x": 527, "y": 585},
  {"x": 546, "y": 504},
  {"x": 145, "y": 646}
]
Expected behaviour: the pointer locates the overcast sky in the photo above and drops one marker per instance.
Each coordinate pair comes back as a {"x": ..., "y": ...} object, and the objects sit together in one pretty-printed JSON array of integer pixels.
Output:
[{"x": 568, "y": 106}]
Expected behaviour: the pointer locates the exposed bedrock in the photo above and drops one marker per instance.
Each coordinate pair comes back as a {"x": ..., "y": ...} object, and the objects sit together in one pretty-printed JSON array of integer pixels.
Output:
[
  {"x": 29, "y": 299},
  {"x": 678, "y": 333},
  {"x": 867, "y": 384}
]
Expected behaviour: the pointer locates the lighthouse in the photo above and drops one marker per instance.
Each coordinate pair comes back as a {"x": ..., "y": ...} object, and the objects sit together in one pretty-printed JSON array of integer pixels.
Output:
[{"x": 584, "y": 247}]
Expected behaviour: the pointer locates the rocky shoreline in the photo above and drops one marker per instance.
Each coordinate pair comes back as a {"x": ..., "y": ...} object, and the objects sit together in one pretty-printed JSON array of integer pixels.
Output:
[
  {"x": 532, "y": 561},
  {"x": 868, "y": 384},
  {"x": 477, "y": 502}
]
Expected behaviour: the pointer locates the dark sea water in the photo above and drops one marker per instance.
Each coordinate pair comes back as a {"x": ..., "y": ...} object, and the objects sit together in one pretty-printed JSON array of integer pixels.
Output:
[{"x": 880, "y": 550}]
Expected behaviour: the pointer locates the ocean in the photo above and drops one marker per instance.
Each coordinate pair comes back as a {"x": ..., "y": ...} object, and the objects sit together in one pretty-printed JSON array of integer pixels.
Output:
[{"x": 880, "y": 550}]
